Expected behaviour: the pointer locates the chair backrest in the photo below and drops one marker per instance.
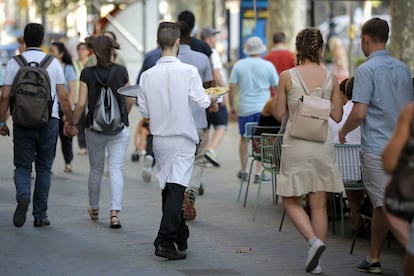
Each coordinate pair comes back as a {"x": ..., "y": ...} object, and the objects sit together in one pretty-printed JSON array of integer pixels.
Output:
[
  {"x": 271, "y": 151},
  {"x": 248, "y": 129},
  {"x": 257, "y": 131},
  {"x": 349, "y": 163}
]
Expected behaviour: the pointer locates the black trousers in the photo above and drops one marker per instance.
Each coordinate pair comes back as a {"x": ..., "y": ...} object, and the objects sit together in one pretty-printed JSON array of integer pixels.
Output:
[
  {"x": 149, "y": 149},
  {"x": 66, "y": 144},
  {"x": 172, "y": 228}
]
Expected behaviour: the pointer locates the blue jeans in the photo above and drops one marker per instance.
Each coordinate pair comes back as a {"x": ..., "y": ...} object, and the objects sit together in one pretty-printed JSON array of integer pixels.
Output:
[{"x": 35, "y": 145}]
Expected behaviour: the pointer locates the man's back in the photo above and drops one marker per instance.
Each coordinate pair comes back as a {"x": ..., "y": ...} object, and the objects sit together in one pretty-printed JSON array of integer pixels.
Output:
[
  {"x": 385, "y": 85},
  {"x": 168, "y": 86},
  {"x": 254, "y": 76},
  {"x": 281, "y": 59}
]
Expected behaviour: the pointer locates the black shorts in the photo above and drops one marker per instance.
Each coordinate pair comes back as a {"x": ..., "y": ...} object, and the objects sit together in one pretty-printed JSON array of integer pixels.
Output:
[{"x": 219, "y": 118}]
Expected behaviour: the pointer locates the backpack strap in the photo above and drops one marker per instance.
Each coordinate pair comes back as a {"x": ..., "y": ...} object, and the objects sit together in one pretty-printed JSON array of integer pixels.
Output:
[
  {"x": 46, "y": 61},
  {"x": 21, "y": 60}
]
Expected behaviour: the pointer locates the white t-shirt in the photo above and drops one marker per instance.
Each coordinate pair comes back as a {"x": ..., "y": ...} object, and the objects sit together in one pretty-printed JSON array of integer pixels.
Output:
[
  {"x": 353, "y": 137},
  {"x": 54, "y": 69},
  {"x": 218, "y": 65}
]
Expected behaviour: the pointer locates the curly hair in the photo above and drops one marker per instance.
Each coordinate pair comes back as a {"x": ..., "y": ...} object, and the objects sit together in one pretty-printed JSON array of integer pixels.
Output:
[{"x": 309, "y": 43}]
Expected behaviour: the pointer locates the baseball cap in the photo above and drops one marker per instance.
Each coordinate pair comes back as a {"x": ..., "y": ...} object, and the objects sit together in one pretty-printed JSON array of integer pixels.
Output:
[{"x": 208, "y": 32}]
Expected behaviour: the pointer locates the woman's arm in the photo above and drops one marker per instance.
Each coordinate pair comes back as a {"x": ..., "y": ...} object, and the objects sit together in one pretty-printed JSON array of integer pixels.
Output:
[
  {"x": 81, "y": 104},
  {"x": 72, "y": 91},
  {"x": 337, "y": 111},
  {"x": 280, "y": 101},
  {"x": 400, "y": 137}
]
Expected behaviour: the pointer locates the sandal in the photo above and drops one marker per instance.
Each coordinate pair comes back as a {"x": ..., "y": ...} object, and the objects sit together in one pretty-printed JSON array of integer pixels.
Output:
[
  {"x": 68, "y": 168},
  {"x": 93, "y": 213},
  {"x": 115, "y": 221}
]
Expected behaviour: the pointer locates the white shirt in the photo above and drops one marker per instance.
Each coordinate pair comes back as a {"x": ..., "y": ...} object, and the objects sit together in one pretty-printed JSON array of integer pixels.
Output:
[
  {"x": 168, "y": 90},
  {"x": 353, "y": 137},
  {"x": 218, "y": 65},
  {"x": 54, "y": 69}
]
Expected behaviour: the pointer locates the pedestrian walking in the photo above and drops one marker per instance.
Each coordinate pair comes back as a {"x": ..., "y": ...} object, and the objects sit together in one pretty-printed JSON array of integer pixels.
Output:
[
  {"x": 308, "y": 168},
  {"x": 113, "y": 76},
  {"x": 35, "y": 144},
  {"x": 59, "y": 51},
  {"x": 173, "y": 87},
  {"x": 382, "y": 86},
  {"x": 254, "y": 76}
]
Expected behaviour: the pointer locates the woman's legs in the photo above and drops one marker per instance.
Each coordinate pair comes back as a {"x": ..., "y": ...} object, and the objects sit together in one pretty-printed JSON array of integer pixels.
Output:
[
  {"x": 319, "y": 215},
  {"x": 298, "y": 216},
  {"x": 96, "y": 145},
  {"x": 117, "y": 146}
]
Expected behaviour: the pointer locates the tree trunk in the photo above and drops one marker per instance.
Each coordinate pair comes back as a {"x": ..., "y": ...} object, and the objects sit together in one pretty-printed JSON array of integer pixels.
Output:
[
  {"x": 288, "y": 16},
  {"x": 402, "y": 32}
]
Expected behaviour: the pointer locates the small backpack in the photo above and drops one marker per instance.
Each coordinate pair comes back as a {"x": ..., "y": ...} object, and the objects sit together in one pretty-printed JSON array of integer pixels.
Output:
[
  {"x": 30, "y": 99},
  {"x": 106, "y": 113}
]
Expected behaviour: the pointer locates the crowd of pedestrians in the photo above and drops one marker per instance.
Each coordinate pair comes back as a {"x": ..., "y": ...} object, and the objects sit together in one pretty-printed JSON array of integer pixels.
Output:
[{"x": 173, "y": 135}]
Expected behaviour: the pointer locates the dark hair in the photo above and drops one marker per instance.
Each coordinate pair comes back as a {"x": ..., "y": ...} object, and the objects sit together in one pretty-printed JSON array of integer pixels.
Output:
[
  {"x": 103, "y": 48},
  {"x": 185, "y": 32},
  {"x": 33, "y": 35},
  {"x": 167, "y": 34},
  {"x": 66, "y": 58},
  {"x": 346, "y": 86},
  {"x": 188, "y": 17},
  {"x": 309, "y": 43},
  {"x": 377, "y": 29},
  {"x": 112, "y": 34},
  {"x": 279, "y": 37},
  {"x": 80, "y": 44}
]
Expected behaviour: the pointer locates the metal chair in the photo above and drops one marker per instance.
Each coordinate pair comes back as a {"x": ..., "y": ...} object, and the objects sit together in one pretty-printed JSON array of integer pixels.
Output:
[
  {"x": 349, "y": 164},
  {"x": 248, "y": 135},
  {"x": 255, "y": 153},
  {"x": 270, "y": 152}
]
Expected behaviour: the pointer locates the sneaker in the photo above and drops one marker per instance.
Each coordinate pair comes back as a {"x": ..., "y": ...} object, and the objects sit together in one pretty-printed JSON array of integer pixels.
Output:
[
  {"x": 201, "y": 161},
  {"x": 40, "y": 222},
  {"x": 82, "y": 151},
  {"x": 135, "y": 156},
  {"x": 245, "y": 175},
  {"x": 189, "y": 210},
  {"x": 19, "y": 217},
  {"x": 317, "y": 270},
  {"x": 257, "y": 178},
  {"x": 366, "y": 266},
  {"x": 314, "y": 253},
  {"x": 147, "y": 169},
  {"x": 212, "y": 157},
  {"x": 68, "y": 168}
]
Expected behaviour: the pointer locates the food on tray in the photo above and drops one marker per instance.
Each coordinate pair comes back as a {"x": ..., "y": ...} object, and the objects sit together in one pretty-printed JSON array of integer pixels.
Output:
[{"x": 217, "y": 91}]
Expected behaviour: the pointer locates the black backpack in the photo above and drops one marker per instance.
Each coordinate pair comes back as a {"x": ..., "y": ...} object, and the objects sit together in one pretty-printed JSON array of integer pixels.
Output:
[
  {"x": 106, "y": 113},
  {"x": 30, "y": 98}
]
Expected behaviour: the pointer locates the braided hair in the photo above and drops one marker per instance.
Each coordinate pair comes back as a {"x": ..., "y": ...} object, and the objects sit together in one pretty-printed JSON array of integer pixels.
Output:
[{"x": 309, "y": 43}]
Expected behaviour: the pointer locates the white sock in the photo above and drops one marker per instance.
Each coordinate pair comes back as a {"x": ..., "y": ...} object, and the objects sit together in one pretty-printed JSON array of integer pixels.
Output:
[{"x": 312, "y": 240}]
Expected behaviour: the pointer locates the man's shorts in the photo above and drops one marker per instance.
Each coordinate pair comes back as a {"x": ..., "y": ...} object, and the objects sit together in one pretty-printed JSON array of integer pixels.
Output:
[
  {"x": 247, "y": 119},
  {"x": 410, "y": 246},
  {"x": 374, "y": 178},
  {"x": 218, "y": 119}
]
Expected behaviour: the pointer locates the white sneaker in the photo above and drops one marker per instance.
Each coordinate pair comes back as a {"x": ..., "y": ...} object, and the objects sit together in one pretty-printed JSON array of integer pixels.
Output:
[
  {"x": 147, "y": 169},
  {"x": 317, "y": 270},
  {"x": 314, "y": 253}
]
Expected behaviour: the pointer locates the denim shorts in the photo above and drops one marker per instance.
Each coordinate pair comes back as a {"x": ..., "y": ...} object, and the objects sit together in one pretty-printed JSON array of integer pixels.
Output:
[
  {"x": 247, "y": 119},
  {"x": 218, "y": 119},
  {"x": 374, "y": 178}
]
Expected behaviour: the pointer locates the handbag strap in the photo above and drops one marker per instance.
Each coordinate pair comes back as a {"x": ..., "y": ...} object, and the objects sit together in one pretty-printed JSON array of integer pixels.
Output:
[{"x": 299, "y": 77}]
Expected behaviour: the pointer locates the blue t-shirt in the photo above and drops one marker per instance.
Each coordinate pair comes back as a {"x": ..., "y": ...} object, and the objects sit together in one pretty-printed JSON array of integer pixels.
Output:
[
  {"x": 254, "y": 76},
  {"x": 385, "y": 84},
  {"x": 70, "y": 75}
]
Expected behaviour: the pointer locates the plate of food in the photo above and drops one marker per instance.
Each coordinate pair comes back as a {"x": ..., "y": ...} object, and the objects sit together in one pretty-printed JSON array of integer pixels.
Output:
[
  {"x": 129, "y": 91},
  {"x": 217, "y": 91}
]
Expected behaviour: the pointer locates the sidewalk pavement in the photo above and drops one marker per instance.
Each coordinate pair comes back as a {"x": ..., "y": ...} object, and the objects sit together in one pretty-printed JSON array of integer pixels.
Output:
[{"x": 223, "y": 238}]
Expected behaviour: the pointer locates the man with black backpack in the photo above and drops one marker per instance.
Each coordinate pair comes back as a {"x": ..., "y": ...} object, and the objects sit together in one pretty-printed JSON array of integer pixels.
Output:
[{"x": 34, "y": 84}]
